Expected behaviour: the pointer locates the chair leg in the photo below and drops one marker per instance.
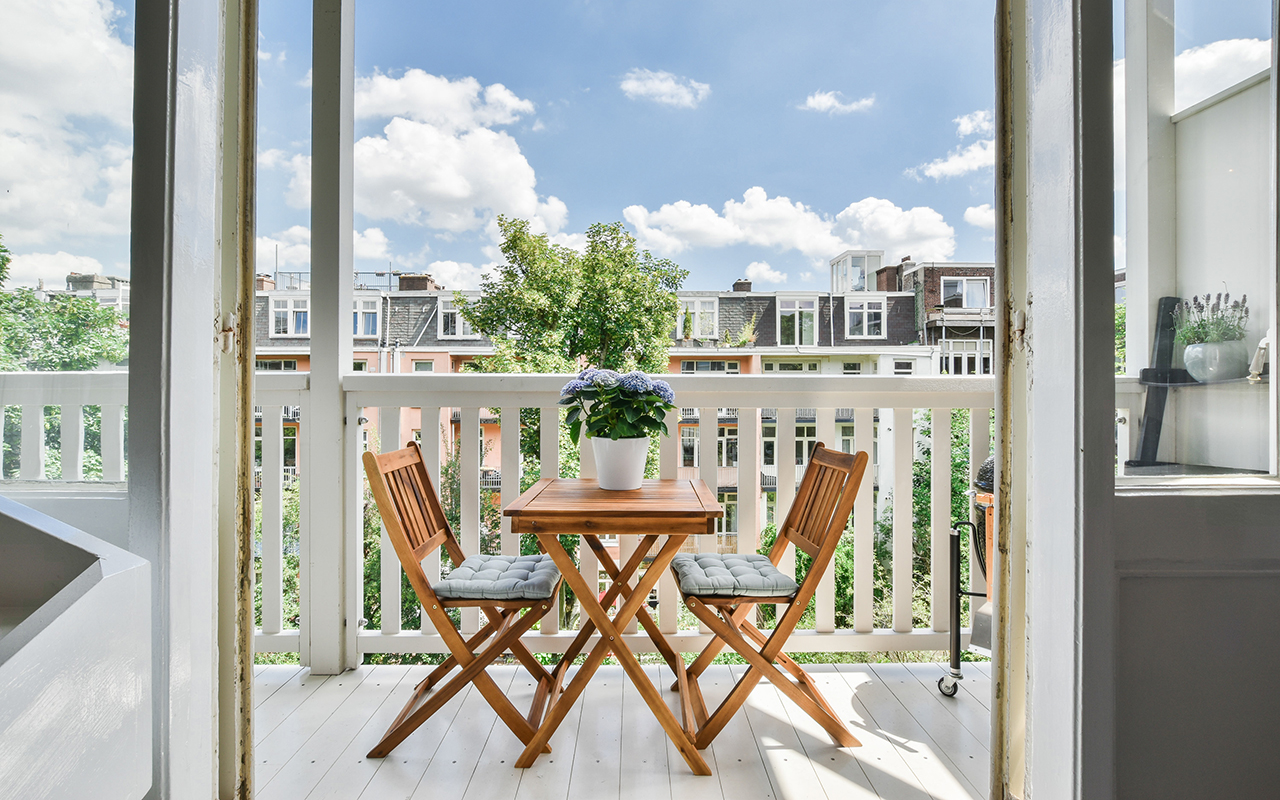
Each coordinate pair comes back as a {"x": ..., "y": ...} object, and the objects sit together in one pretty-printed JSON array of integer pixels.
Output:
[{"x": 821, "y": 712}]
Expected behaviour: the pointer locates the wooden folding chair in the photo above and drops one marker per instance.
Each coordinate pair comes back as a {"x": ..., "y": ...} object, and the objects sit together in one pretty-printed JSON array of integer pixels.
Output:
[
  {"x": 503, "y": 586},
  {"x": 721, "y": 591}
]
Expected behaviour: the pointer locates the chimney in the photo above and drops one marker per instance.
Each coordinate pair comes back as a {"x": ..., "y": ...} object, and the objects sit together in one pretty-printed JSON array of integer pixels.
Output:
[
  {"x": 889, "y": 278},
  {"x": 419, "y": 283},
  {"x": 263, "y": 282},
  {"x": 742, "y": 285}
]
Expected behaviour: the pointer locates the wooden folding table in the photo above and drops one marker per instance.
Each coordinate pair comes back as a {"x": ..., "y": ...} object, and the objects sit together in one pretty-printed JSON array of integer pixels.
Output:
[{"x": 674, "y": 510}]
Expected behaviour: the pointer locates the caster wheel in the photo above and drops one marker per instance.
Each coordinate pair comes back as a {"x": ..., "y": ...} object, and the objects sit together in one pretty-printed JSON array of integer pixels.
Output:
[{"x": 947, "y": 686}]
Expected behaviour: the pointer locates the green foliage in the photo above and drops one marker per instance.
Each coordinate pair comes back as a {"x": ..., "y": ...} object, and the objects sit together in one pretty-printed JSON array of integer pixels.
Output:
[
  {"x": 745, "y": 335},
  {"x": 1121, "y": 315},
  {"x": 550, "y": 308},
  {"x": 616, "y": 406},
  {"x": 5, "y": 258},
  {"x": 62, "y": 332},
  {"x": 1211, "y": 319}
]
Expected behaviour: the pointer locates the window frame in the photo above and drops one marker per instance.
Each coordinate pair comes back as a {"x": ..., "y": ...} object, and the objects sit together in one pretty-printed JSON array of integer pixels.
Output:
[
  {"x": 689, "y": 366},
  {"x": 866, "y": 298},
  {"x": 430, "y": 362},
  {"x": 797, "y": 299},
  {"x": 290, "y": 307},
  {"x": 460, "y": 324},
  {"x": 359, "y": 314},
  {"x": 964, "y": 292},
  {"x": 698, "y": 314}
]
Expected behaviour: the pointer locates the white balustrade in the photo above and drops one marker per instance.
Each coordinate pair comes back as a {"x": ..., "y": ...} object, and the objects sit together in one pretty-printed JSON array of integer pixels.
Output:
[{"x": 31, "y": 393}]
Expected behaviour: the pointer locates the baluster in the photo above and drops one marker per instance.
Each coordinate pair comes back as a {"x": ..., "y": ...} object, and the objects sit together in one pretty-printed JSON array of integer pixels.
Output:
[
  {"x": 708, "y": 463},
  {"x": 903, "y": 451},
  {"x": 469, "y": 515},
  {"x": 785, "y": 457},
  {"x": 390, "y": 569},
  {"x": 864, "y": 518},
  {"x": 979, "y": 450},
  {"x": 272, "y": 477},
  {"x": 940, "y": 519},
  {"x": 32, "y": 463},
  {"x": 112, "y": 441},
  {"x": 749, "y": 498},
  {"x": 430, "y": 428},
  {"x": 588, "y": 564},
  {"x": 669, "y": 469},
  {"x": 550, "y": 461},
  {"x": 510, "y": 433},
  {"x": 72, "y": 434},
  {"x": 825, "y": 598}
]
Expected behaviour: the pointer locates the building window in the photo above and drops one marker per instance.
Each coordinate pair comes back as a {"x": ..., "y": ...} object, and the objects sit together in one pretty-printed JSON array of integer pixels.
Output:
[
  {"x": 797, "y": 321},
  {"x": 846, "y": 438},
  {"x": 769, "y": 444},
  {"x": 904, "y": 367},
  {"x": 730, "y": 367},
  {"x": 855, "y": 273},
  {"x": 727, "y": 446},
  {"x": 806, "y": 440},
  {"x": 791, "y": 366},
  {"x": 853, "y": 368},
  {"x": 452, "y": 324},
  {"x": 966, "y": 357},
  {"x": 689, "y": 446},
  {"x": 424, "y": 366},
  {"x": 864, "y": 318},
  {"x": 359, "y": 366},
  {"x": 729, "y": 522},
  {"x": 965, "y": 293},
  {"x": 276, "y": 364},
  {"x": 702, "y": 317},
  {"x": 364, "y": 318},
  {"x": 289, "y": 317}
]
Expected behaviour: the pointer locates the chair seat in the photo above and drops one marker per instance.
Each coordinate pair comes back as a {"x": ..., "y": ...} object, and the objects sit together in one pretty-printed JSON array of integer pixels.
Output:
[
  {"x": 731, "y": 575},
  {"x": 500, "y": 578}
]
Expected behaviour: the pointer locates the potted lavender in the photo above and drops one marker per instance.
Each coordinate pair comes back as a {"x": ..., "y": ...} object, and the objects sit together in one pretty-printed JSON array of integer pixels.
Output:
[
  {"x": 1212, "y": 328},
  {"x": 619, "y": 413}
]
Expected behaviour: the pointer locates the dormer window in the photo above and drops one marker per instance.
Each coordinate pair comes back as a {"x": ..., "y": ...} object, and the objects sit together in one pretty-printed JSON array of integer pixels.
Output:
[
  {"x": 797, "y": 321},
  {"x": 864, "y": 317},
  {"x": 364, "y": 318},
  {"x": 452, "y": 323},
  {"x": 289, "y": 317},
  {"x": 701, "y": 315}
]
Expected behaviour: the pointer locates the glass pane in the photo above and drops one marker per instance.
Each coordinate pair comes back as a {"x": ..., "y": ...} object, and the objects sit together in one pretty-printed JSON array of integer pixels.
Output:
[
  {"x": 855, "y": 320},
  {"x": 807, "y": 327},
  {"x": 857, "y": 274},
  {"x": 874, "y": 323},
  {"x": 951, "y": 294},
  {"x": 424, "y": 366},
  {"x": 975, "y": 294},
  {"x": 787, "y": 328}
]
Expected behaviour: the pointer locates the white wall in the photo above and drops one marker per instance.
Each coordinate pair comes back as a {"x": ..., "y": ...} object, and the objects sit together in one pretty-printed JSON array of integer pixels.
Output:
[
  {"x": 1223, "y": 167},
  {"x": 103, "y": 513}
]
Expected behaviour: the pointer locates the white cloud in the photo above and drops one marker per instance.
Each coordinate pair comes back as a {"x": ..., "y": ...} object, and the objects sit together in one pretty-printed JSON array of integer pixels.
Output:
[
  {"x": 293, "y": 246},
  {"x": 370, "y": 245},
  {"x": 961, "y": 161},
  {"x": 761, "y": 272},
  {"x": 458, "y": 276},
  {"x": 829, "y": 103},
  {"x": 873, "y": 223},
  {"x": 983, "y": 216},
  {"x": 805, "y": 276},
  {"x": 306, "y": 80},
  {"x": 66, "y": 101},
  {"x": 29, "y": 269},
  {"x": 1202, "y": 72},
  {"x": 664, "y": 87},
  {"x": 977, "y": 122},
  {"x": 270, "y": 159},
  {"x": 784, "y": 225},
  {"x": 438, "y": 162}
]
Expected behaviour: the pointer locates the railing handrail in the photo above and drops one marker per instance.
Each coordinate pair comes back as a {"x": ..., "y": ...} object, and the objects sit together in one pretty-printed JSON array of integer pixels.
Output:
[
  {"x": 85, "y": 388},
  {"x": 493, "y": 390}
]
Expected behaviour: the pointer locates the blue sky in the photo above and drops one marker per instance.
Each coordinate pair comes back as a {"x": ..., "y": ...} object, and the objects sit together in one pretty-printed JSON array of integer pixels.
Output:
[{"x": 736, "y": 138}]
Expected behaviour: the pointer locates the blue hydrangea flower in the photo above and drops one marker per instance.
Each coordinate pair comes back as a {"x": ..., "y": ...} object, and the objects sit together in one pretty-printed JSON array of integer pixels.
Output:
[
  {"x": 572, "y": 388},
  {"x": 606, "y": 378},
  {"x": 587, "y": 374},
  {"x": 664, "y": 390},
  {"x": 637, "y": 382}
]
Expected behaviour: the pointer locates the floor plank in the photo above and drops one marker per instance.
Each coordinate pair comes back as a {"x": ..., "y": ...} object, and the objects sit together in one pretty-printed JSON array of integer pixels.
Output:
[
  {"x": 548, "y": 778},
  {"x": 269, "y": 678},
  {"x": 306, "y": 768},
  {"x": 878, "y": 760},
  {"x": 943, "y": 754},
  {"x": 965, "y": 706},
  {"x": 351, "y": 771},
  {"x": 398, "y": 775},
  {"x": 597, "y": 754},
  {"x": 278, "y": 747},
  {"x": 734, "y": 756},
  {"x": 283, "y": 702},
  {"x": 455, "y": 761},
  {"x": 495, "y": 776},
  {"x": 790, "y": 769},
  {"x": 644, "y": 769}
]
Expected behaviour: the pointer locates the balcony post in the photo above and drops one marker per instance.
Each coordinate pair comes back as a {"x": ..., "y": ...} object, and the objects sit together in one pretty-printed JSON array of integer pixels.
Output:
[{"x": 327, "y": 619}]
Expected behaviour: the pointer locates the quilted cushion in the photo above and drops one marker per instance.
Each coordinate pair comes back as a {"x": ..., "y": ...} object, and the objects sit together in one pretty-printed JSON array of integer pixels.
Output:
[
  {"x": 730, "y": 575},
  {"x": 500, "y": 578}
]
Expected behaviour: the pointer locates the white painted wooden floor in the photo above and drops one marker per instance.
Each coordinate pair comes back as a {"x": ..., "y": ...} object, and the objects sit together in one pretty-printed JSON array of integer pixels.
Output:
[{"x": 312, "y": 732}]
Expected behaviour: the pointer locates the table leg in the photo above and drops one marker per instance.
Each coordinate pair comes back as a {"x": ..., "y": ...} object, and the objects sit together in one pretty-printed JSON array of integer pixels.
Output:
[{"x": 620, "y": 578}]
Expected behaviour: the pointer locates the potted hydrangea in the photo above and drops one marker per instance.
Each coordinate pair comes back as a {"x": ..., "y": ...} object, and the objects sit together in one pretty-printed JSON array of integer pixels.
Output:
[
  {"x": 620, "y": 413},
  {"x": 1212, "y": 328}
]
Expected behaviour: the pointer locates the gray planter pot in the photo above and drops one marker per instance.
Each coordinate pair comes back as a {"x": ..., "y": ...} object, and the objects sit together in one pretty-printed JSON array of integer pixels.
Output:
[{"x": 1216, "y": 361}]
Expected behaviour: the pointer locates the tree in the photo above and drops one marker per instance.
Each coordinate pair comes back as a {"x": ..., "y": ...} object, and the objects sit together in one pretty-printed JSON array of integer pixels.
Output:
[
  {"x": 551, "y": 309},
  {"x": 5, "y": 258}
]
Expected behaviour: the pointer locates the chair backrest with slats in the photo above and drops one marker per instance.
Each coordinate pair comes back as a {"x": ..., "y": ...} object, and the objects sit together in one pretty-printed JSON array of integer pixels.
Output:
[
  {"x": 410, "y": 510},
  {"x": 822, "y": 506}
]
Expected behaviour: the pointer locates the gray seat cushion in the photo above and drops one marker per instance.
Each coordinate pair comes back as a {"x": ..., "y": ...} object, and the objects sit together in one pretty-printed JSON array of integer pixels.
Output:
[
  {"x": 500, "y": 578},
  {"x": 731, "y": 575}
]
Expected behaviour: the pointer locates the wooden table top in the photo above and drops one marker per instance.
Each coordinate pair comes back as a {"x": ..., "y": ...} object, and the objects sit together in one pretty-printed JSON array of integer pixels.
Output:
[{"x": 578, "y": 497}]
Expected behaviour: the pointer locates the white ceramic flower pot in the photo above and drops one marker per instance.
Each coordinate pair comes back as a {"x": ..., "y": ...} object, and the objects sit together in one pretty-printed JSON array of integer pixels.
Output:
[
  {"x": 620, "y": 462},
  {"x": 1216, "y": 361}
]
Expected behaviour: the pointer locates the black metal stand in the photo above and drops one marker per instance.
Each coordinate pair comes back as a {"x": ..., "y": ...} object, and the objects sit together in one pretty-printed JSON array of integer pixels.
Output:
[{"x": 949, "y": 684}]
